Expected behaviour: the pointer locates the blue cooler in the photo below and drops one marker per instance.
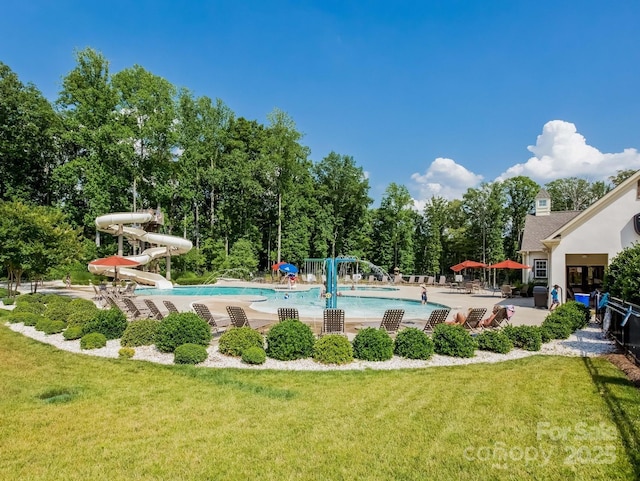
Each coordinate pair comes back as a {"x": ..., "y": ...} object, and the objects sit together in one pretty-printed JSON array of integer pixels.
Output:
[{"x": 582, "y": 298}]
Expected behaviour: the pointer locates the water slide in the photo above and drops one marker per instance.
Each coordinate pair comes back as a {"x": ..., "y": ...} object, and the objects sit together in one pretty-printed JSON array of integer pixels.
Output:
[{"x": 165, "y": 245}]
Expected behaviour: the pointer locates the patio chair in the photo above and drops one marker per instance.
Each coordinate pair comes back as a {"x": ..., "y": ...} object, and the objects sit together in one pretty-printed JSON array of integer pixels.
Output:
[
  {"x": 391, "y": 320},
  {"x": 474, "y": 316},
  {"x": 501, "y": 317},
  {"x": 285, "y": 313},
  {"x": 171, "y": 307},
  {"x": 156, "y": 314},
  {"x": 431, "y": 281},
  {"x": 506, "y": 290},
  {"x": 131, "y": 309},
  {"x": 332, "y": 322},
  {"x": 411, "y": 280},
  {"x": 437, "y": 316},
  {"x": 128, "y": 291},
  {"x": 238, "y": 316},
  {"x": 442, "y": 282},
  {"x": 204, "y": 313}
]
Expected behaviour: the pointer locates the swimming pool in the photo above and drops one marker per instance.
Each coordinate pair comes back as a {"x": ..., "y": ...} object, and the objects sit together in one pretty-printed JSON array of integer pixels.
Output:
[{"x": 308, "y": 302}]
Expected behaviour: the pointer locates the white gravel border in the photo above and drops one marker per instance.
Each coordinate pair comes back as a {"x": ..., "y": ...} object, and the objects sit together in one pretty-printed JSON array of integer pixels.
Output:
[{"x": 586, "y": 342}]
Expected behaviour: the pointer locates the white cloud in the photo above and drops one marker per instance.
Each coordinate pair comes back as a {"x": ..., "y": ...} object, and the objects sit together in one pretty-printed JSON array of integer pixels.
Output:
[
  {"x": 560, "y": 151},
  {"x": 444, "y": 178}
]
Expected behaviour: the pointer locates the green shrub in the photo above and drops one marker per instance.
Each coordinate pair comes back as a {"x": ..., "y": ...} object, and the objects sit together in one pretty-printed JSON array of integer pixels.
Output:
[
  {"x": 333, "y": 349},
  {"x": 557, "y": 325},
  {"x": 27, "y": 318},
  {"x": 79, "y": 317},
  {"x": 111, "y": 323},
  {"x": 55, "y": 327},
  {"x": 578, "y": 313},
  {"x": 55, "y": 298},
  {"x": 30, "y": 299},
  {"x": 140, "y": 333},
  {"x": 453, "y": 340},
  {"x": 189, "y": 354},
  {"x": 33, "y": 307},
  {"x": 93, "y": 340},
  {"x": 494, "y": 341},
  {"x": 372, "y": 344},
  {"x": 525, "y": 337},
  {"x": 413, "y": 343},
  {"x": 58, "y": 311},
  {"x": 42, "y": 324},
  {"x": 81, "y": 304},
  {"x": 254, "y": 355},
  {"x": 8, "y": 301},
  {"x": 289, "y": 340},
  {"x": 236, "y": 340},
  {"x": 182, "y": 328},
  {"x": 126, "y": 352},
  {"x": 73, "y": 332}
]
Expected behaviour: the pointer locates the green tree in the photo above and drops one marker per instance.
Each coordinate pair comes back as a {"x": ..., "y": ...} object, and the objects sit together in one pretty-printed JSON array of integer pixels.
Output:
[
  {"x": 28, "y": 151},
  {"x": 621, "y": 276},
  {"x": 570, "y": 194},
  {"x": 520, "y": 193},
  {"x": 342, "y": 191},
  {"x": 394, "y": 225},
  {"x": 484, "y": 208},
  {"x": 35, "y": 239},
  {"x": 621, "y": 176},
  {"x": 433, "y": 236}
]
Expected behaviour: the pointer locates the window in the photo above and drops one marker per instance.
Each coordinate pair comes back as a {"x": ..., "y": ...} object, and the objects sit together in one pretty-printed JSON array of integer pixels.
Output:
[
  {"x": 540, "y": 268},
  {"x": 542, "y": 202}
]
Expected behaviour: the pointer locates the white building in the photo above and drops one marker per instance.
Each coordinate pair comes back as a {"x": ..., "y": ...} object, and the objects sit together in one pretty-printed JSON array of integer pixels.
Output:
[{"x": 572, "y": 248}]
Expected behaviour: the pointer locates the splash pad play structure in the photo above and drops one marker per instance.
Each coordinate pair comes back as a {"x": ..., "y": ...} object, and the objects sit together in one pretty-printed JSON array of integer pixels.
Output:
[{"x": 135, "y": 226}]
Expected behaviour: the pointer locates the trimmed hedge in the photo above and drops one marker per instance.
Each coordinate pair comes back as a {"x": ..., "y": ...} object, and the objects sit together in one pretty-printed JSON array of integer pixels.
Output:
[
  {"x": 528, "y": 338},
  {"x": 126, "y": 352},
  {"x": 413, "y": 343},
  {"x": 566, "y": 319},
  {"x": 182, "y": 328},
  {"x": 494, "y": 341},
  {"x": 254, "y": 355},
  {"x": 371, "y": 344},
  {"x": 27, "y": 318},
  {"x": 453, "y": 340},
  {"x": 289, "y": 340},
  {"x": 333, "y": 349},
  {"x": 189, "y": 354},
  {"x": 140, "y": 333},
  {"x": 236, "y": 340},
  {"x": 111, "y": 323},
  {"x": 93, "y": 340},
  {"x": 72, "y": 333}
]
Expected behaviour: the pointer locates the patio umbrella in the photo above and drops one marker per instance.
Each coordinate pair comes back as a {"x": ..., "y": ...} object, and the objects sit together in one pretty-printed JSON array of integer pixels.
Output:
[
  {"x": 115, "y": 262},
  {"x": 277, "y": 265},
  {"x": 288, "y": 268},
  {"x": 467, "y": 265},
  {"x": 508, "y": 264}
]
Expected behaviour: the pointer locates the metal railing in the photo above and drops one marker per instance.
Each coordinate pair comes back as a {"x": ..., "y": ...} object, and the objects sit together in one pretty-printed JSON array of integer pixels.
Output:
[{"x": 624, "y": 326}]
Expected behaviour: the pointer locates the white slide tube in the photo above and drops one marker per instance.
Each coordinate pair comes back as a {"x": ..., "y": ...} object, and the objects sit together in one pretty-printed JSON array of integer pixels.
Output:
[{"x": 164, "y": 245}]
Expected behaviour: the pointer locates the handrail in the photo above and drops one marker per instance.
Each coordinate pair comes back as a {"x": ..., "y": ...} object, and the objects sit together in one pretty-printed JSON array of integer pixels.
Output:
[{"x": 621, "y": 310}]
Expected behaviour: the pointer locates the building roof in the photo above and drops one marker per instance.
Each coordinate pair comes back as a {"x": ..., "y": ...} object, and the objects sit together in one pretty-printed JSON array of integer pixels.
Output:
[
  {"x": 537, "y": 228},
  {"x": 542, "y": 194}
]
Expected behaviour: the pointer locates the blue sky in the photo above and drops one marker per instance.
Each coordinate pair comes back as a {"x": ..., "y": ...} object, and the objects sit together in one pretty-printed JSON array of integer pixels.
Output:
[{"x": 435, "y": 95}]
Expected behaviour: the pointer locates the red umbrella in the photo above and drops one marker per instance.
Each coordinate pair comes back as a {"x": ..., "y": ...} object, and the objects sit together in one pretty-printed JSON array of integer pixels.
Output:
[
  {"x": 115, "y": 262},
  {"x": 467, "y": 265},
  {"x": 509, "y": 264},
  {"x": 276, "y": 266}
]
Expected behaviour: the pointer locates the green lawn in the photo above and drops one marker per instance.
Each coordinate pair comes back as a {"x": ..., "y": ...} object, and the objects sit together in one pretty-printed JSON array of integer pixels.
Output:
[{"x": 67, "y": 416}]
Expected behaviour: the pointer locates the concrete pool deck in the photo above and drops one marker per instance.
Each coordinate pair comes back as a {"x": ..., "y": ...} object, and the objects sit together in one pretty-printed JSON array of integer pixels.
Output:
[{"x": 525, "y": 313}]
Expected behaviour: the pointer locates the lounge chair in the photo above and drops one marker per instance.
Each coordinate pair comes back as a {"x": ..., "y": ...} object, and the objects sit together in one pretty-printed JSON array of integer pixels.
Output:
[
  {"x": 171, "y": 307},
  {"x": 411, "y": 280},
  {"x": 238, "y": 316},
  {"x": 332, "y": 322},
  {"x": 474, "y": 316},
  {"x": 443, "y": 281},
  {"x": 204, "y": 313},
  {"x": 285, "y": 313},
  {"x": 372, "y": 279},
  {"x": 431, "y": 281},
  {"x": 128, "y": 291},
  {"x": 506, "y": 291},
  {"x": 501, "y": 317},
  {"x": 154, "y": 309},
  {"x": 437, "y": 316},
  {"x": 132, "y": 309},
  {"x": 391, "y": 320}
]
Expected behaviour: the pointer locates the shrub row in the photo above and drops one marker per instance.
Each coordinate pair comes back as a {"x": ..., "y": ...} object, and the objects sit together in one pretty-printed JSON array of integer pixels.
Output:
[{"x": 565, "y": 320}]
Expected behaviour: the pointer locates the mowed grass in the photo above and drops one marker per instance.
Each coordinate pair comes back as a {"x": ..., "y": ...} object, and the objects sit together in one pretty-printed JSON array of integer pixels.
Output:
[{"x": 74, "y": 417}]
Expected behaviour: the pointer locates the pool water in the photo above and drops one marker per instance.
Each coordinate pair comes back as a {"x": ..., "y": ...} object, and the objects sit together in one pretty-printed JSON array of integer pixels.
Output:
[{"x": 308, "y": 302}]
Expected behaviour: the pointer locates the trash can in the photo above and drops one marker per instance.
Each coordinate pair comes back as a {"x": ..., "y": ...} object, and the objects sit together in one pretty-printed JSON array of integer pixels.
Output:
[
  {"x": 582, "y": 298},
  {"x": 540, "y": 297}
]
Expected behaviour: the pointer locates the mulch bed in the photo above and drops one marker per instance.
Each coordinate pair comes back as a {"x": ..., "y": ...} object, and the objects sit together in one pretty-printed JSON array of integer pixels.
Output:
[{"x": 625, "y": 365}]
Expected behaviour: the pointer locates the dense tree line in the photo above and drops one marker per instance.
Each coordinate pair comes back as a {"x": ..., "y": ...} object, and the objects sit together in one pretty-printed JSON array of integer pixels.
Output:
[{"x": 131, "y": 140}]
